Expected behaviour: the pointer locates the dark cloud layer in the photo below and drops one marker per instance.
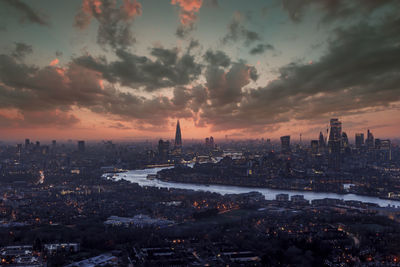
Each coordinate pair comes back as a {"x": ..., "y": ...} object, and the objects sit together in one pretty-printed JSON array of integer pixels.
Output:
[
  {"x": 217, "y": 58},
  {"x": 21, "y": 50},
  {"x": 261, "y": 48},
  {"x": 360, "y": 71},
  {"x": 31, "y": 91},
  {"x": 167, "y": 70},
  {"x": 39, "y": 119},
  {"x": 27, "y": 13}
]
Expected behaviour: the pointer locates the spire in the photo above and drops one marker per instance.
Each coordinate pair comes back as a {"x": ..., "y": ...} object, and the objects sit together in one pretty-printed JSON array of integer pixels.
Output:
[{"x": 178, "y": 136}]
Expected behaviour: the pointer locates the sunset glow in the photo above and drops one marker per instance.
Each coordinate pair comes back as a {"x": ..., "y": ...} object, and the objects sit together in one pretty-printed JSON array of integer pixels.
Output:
[{"x": 111, "y": 69}]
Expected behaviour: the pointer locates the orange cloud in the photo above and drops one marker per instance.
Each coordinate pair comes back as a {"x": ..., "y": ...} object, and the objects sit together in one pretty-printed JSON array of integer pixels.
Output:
[
  {"x": 188, "y": 11},
  {"x": 89, "y": 5},
  {"x": 131, "y": 8},
  {"x": 54, "y": 62}
]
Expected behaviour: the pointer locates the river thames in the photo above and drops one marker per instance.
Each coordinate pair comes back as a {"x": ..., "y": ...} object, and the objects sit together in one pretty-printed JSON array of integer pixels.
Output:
[{"x": 140, "y": 177}]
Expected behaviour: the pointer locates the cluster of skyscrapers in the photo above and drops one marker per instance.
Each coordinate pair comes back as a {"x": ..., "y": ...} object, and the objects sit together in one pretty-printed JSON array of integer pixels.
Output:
[
  {"x": 209, "y": 142},
  {"x": 337, "y": 145}
]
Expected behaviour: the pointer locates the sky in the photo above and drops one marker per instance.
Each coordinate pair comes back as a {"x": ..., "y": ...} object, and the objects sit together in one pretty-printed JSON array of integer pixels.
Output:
[{"x": 129, "y": 69}]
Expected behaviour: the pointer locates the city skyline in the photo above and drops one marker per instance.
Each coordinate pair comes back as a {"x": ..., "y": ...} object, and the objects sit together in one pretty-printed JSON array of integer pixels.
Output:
[
  {"x": 128, "y": 70},
  {"x": 333, "y": 133},
  {"x": 328, "y": 135}
]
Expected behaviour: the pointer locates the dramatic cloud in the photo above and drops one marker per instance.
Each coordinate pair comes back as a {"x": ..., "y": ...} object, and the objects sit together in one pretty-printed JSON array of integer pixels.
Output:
[
  {"x": 336, "y": 9},
  {"x": 37, "y": 119},
  {"x": 261, "y": 48},
  {"x": 359, "y": 72},
  {"x": 55, "y": 91},
  {"x": 167, "y": 70},
  {"x": 187, "y": 15},
  {"x": 27, "y": 13},
  {"x": 21, "y": 50},
  {"x": 237, "y": 31},
  {"x": 226, "y": 88},
  {"x": 217, "y": 58},
  {"x": 31, "y": 90},
  {"x": 114, "y": 22}
]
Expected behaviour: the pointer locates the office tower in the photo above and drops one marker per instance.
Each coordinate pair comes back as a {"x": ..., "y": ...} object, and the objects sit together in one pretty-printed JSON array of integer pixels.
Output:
[
  {"x": 37, "y": 144},
  {"x": 178, "y": 136},
  {"x": 377, "y": 143},
  {"x": 334, "y": 144},
  {"x": 27, "y": 142},
  {"x": 81, "y": 146},
  {"x": 345, "y": 140},
  {"x": 359, "y": 140},
  {"x": 207, "y": 142},
  {"x": 19, "y": 149},
  {"x": 370, "y": 140},
  {"x": 268, "y": 145},
  {"x": 385, "y": 150},
  {"x": 321, "y": 141},
  {"x": 335, "y": 132},
  {"x": 285, "y": 144},
  {"x": 314, "y": 146},
  {"x": 163, "y": 150},
  {"x": 54, "y": 143}
]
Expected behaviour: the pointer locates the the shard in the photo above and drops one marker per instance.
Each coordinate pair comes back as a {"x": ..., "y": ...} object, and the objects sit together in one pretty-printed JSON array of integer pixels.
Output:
[{"x": 178, "y": 136}]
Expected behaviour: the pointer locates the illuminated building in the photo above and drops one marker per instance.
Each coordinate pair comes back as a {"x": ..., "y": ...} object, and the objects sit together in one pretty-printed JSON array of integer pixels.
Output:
[
  {"x": 334, "y": 144},
  {"x": 383, "y": 149}
]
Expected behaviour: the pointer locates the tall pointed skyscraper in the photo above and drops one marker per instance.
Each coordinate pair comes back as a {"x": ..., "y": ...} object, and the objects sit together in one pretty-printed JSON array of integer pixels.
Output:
[
  {"x": 334, "y": 144},
  {"x": 178, "y": 136}
]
